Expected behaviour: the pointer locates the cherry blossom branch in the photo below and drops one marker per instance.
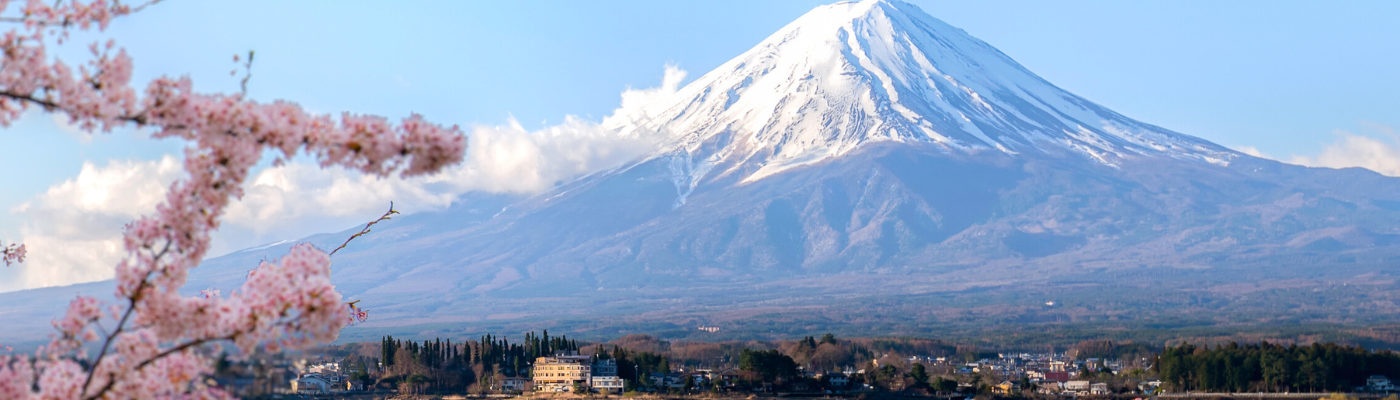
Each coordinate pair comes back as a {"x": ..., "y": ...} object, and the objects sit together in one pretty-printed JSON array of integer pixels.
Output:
[
  {"x": 366, "y": 230},
  {"x": 51, "y": 106},
  {"x": 288, "y": 303},
  {"x": 168, "y": 352},
  {"x": 68, "y": 21}
]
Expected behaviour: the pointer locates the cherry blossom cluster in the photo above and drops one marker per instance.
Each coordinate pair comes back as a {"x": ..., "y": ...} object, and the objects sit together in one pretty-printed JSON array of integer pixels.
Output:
[
  {"x": 12, "y": 254},
  {"x": 149, "y": 341}
]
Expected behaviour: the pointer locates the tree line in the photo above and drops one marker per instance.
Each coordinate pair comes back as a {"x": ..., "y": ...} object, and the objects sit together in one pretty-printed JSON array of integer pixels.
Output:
[
  {"x": 1266, "y": 367},
  {"x": 439, "y": 364}
]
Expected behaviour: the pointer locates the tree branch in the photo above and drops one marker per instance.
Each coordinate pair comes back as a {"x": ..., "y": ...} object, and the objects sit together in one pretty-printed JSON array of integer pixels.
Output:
[
  {"x": 366, "y": 230},
  {"x": 50, "y": 105}
]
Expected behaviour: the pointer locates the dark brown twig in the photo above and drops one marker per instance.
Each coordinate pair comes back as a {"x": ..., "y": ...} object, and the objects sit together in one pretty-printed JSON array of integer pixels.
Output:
[
  {"x": 247, "y": 73},
  {"x": 366, "y": 230}
]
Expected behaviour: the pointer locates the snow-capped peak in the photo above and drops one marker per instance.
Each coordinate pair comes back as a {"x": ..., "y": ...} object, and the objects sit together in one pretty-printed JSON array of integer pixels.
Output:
[{"x": 852, "y": 73}]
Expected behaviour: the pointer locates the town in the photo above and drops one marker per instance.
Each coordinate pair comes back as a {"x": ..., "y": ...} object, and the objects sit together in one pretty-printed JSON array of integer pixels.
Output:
[{"x": 822, "y": 366}]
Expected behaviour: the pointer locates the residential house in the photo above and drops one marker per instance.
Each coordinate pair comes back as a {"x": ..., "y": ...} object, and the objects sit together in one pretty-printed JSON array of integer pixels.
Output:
[
  {"x": 311, "y": 384},
  {"x": 1150, "y": 387},
  {"x": 675, "y": 380},
  {"x": 1005, "y": 388},
  {"x": 515, "y": 384},
  {"x": 729, "y": 377},
  {"x": 656, "y": 379},
  {"x": 1099, "y": 388},
  {"x": 1113, "y": 365},
  {"x": 1077, "y": 386}
]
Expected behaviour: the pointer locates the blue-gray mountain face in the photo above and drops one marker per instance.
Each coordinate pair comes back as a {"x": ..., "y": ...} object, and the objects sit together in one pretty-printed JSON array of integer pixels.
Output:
[{"x": 872, "y": 168}]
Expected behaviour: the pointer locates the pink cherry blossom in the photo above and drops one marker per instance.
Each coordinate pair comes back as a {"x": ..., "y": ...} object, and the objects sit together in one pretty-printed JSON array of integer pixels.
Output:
[
  {"x": 12, "y": 254},
  {"x": 147, "y": 345}
]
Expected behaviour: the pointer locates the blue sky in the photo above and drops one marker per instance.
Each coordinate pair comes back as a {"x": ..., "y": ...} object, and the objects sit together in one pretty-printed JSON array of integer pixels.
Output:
[{"x": 1293, "y": 80}]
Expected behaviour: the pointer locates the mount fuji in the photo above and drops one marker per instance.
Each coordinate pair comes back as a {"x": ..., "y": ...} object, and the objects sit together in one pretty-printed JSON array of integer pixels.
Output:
[
  {"x": 849, "y": 74},
  {"x": 869, "y": 168}
]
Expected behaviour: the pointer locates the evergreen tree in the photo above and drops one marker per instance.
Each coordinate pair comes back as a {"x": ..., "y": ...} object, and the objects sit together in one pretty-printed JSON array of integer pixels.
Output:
[{"x": 919, "y": 375}]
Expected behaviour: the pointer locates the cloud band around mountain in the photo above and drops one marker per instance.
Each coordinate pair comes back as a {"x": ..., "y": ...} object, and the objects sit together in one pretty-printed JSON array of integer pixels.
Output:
[{"x": 73, "y": 230}]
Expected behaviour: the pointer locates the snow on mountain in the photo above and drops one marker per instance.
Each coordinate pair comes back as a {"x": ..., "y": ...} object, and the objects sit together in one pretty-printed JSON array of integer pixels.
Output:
[{"x": 852, "y": 73}]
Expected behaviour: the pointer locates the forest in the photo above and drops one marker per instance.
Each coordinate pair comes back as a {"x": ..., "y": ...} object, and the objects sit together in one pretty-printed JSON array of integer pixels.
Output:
[
  {"x": 475, "y": 365},
  {"x": 1266, "y": 367}
]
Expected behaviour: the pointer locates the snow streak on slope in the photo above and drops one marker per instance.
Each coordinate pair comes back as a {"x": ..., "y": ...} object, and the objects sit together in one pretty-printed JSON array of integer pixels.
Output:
[{"x": 852, "y": 73}]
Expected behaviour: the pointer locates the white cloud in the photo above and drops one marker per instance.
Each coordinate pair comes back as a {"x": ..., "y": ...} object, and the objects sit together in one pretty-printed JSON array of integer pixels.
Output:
[
  {"x": 640, "y": 105},
  {"x": 73, "y": 231},
  {"x": 1353, "y": 150},
  {"x": 503, "y": 158},
  {"x": 511, "y": 159},
  {"x": 1253, "y": 151}
]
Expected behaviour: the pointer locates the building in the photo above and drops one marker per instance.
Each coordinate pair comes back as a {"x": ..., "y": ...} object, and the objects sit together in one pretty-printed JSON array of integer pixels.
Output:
[
  {"x": 1077, "y": 386},
  {"x": 727, "y": 378},
  {"x": 1378, "y": 383},
  {"x": 1098, "y": 388},
  {"x": 606, "y": 367},
  {"x": 1150, "y": 387},
  {"x": 324, "y": 369},
  {"x": 1005, "y": 388},
  {"x": 838, "y": 380},
  {"x": 562, "y": 373},
  {"x": 656, "y": 379},
  {"x": 605, "y": 379},
  {"x": 675, "y": 380},
  {"x": 515, "y": 384},
  {"x": 311, "y": 384},
  {"x": 607, "y": 384}
]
